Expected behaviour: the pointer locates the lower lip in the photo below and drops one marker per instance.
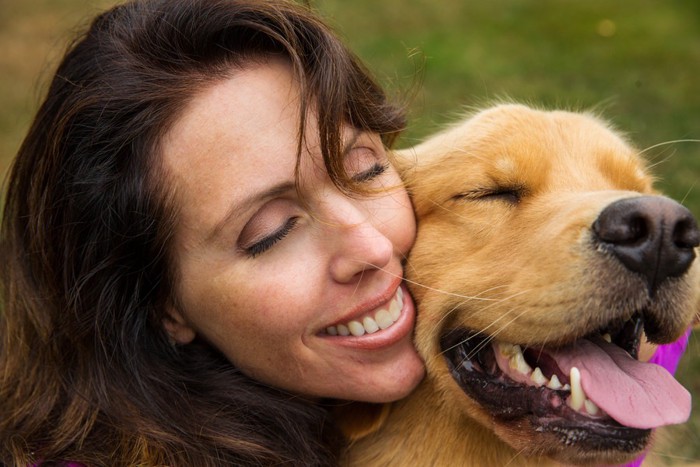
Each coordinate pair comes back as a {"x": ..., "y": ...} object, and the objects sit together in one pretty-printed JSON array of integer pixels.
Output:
[{"x": 401, "y": 328}]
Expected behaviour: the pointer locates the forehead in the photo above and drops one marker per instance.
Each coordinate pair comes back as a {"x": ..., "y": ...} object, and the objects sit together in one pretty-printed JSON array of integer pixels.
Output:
[
  {"x": 236, "y": 137},
  {"x": 240, "y": 112},
  {"x": 534, "y": 149}
]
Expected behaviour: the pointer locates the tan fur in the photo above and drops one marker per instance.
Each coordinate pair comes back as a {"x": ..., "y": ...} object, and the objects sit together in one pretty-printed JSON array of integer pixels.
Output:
[{"x": 523, "y": 272}]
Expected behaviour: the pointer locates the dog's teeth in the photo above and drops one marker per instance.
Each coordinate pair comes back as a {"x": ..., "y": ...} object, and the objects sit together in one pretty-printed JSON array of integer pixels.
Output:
[
  {"x": 577, "y": 397},
  {"x": 607, "y": 337},
  {"x": 507, "y": 350},
  {"x": 591, "y": 408},
  {"x": 518, "y": 363},
  {"x": 554, "y": 383},
  {"x": 538, "y": 378}
]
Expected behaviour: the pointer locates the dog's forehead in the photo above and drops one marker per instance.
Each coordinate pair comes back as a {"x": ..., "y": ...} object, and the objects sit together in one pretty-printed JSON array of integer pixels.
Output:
[{"x": 520, "y": 145}]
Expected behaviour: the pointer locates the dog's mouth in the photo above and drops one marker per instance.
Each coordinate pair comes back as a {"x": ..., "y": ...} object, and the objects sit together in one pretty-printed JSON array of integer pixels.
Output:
[{"x": 593, "y": 393}]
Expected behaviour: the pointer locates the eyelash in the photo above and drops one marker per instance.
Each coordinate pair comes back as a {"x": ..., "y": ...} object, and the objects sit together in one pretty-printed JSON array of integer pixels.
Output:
[
  {"x": 375, "y": 171},
  {"x": 268, "y": 242}
]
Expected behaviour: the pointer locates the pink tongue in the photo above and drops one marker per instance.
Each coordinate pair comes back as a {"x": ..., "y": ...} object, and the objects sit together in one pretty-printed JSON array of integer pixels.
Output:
[{"x": 636, "y": 394}]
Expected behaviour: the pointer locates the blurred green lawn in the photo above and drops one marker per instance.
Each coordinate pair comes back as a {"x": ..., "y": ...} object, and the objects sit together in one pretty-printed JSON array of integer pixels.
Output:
[{"x": 636, "y": 61}]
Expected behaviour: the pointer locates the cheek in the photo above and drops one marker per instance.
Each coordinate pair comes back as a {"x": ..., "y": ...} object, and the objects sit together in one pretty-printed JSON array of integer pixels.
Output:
[
  {"x": 398, "y": 221},
  {"x": 244, "y": 310}
]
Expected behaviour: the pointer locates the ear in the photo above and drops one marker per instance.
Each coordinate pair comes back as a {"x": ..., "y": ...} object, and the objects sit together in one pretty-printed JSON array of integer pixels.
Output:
[
  {"x": 177, "y": 327},
  {"x": 359, "y": 419}
]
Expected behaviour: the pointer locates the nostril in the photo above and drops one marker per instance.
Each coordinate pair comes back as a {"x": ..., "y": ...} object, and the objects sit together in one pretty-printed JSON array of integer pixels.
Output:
[
  {"x": 622, "y": 228},
  {"x": 638, "y": 228},
  {"x": 686, "y": 234}
]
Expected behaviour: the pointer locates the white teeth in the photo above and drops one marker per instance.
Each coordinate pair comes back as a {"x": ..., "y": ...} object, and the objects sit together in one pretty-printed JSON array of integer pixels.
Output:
[
  {"x": 356, "y": 328},
  {"x": 382, "y": 319},
  {"x": 577, "y": 395},
  {"x": 607, "y": 337},
  {"x": 516, "y": 359},
  {"x": 554, "y": 382},
  {"x": 538, "y": 378},
  {"x": 517, "y": 362},
  {"x": 577, "y": 399},
  {"x": 395, "y": 309},
  {"x": 370, "y": 325},
  {"x": 591, "y": 408}
]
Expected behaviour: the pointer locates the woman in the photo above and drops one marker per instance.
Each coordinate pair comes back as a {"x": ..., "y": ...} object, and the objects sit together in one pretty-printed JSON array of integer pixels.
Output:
[{"x": 202, "y": 242}]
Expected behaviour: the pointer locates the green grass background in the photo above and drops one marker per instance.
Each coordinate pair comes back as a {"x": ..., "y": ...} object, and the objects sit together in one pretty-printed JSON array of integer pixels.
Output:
[{"x": 637, "y": 61}]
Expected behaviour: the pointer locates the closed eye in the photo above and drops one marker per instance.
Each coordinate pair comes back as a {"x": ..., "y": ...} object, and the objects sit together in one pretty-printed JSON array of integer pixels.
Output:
[
  {"x": 373, "y": 172},
  {"x": 511, "y": 195},
  {"x": 270, "y": 240}
]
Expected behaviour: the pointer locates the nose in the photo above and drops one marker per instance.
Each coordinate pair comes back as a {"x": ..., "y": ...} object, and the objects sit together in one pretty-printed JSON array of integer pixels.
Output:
[
  {"x": 358, "y": 245},
  {"x": 650, "y": 235}
]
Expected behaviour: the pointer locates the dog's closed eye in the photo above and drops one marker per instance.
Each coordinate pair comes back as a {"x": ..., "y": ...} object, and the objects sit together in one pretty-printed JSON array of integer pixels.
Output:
[{"x": 510, "y": 195}]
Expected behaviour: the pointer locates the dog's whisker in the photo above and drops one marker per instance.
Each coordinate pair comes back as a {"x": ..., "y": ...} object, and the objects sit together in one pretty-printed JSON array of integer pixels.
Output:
[
  {"x": 503, "y": 316},
  {"x": 505, "y": 325},
  {"x": 666, "y": 143},
  {"x": 688, "y": 193},
  {"x": 490, "y": 338},
  {"x": 482, "y": 332},
  {"x": 459, "y": 305},
  {"x": 665, "y": 159},
  {"x": 515, "y": 457},
  {"x": 444, "y": 292},
  {"x": 453, "y": 294}
]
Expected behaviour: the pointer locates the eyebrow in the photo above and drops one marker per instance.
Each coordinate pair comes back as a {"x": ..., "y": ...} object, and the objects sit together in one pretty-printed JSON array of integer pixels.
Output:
[
  {"x": 239, "y": 207},
  {"x": 272, "y": 192},
  {"x": 356, "y": 133}
]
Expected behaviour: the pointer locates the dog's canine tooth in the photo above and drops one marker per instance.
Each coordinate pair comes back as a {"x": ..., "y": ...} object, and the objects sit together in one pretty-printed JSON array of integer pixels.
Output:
[
  {"x": 538, "y": 378},
  {"x": 607, "y": 337},
  {"x": 577, "y": 397}
]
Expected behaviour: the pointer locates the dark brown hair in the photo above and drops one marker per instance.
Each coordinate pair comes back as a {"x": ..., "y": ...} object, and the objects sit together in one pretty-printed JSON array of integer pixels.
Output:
[{"x": 86, "y": 371}]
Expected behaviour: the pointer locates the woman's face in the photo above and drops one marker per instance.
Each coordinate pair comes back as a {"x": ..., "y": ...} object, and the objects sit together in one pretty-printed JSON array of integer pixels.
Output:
[{"x": 289, "y": 285}]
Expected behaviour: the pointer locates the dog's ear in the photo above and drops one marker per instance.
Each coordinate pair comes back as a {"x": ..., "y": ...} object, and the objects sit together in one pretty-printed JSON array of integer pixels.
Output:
[{"x": 359, "y": 419}]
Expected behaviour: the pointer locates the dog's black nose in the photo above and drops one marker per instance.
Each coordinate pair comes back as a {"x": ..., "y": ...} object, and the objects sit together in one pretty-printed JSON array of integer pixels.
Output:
[{"x": 651, "y": 235}]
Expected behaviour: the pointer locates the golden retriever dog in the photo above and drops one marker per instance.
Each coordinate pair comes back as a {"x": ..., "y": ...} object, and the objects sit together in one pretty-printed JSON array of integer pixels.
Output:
[{"x": 544, "y": 259}]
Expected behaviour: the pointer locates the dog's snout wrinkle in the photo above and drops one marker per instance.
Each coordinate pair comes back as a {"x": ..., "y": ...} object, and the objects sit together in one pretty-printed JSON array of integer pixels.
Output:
[{"x": 650, "y": 235}]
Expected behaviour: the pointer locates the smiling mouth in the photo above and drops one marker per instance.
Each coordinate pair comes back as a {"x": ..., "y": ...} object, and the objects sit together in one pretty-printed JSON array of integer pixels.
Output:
[
  {"x": 380, "y": 319},
  {"x": 593, "y": 393}
]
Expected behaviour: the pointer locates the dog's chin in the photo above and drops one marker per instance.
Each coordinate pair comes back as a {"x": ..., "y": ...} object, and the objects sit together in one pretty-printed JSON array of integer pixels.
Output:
[{"x": 535, "y": 411}]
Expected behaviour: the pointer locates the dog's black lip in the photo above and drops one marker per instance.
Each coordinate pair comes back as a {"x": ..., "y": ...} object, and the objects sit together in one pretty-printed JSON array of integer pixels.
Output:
[{"x": 471, "y": 362}]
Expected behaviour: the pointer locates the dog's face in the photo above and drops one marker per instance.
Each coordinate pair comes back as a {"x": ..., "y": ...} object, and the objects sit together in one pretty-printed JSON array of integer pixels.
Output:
[{"x": 540, "y": 239}]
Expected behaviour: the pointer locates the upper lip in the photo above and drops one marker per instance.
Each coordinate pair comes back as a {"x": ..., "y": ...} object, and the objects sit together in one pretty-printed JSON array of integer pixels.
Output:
[{"x": 372, "y": 303}]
